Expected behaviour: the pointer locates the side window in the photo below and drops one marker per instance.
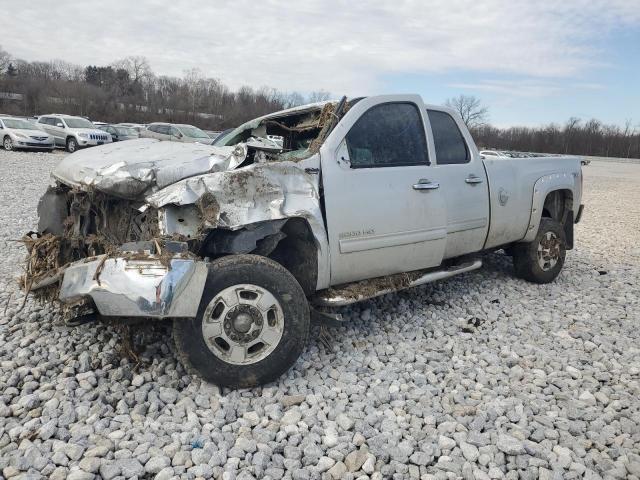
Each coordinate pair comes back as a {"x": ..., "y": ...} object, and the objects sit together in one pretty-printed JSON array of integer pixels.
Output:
[
  {"x": 448, "y": 140},
  {"x": 44, "y": 120},
  {"x": 153, "y": 128},
  {"x": 388, "y": 135},
  {"x": 174, "y": 131},
  {"x": 162, "y": 129}
]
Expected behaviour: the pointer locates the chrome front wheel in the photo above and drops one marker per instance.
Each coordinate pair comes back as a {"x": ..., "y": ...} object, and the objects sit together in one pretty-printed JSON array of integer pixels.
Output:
[
  {"x": 8, "y": 144},
  {"x": 251, "y": 326},
  {"x": 243, "y": 324}
]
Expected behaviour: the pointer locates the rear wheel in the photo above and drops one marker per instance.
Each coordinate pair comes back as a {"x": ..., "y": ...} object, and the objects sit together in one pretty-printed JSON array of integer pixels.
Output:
[
  {"x": 8, "y": 144},
  {"x": 541, "y": 260},
  {"x": 251, "y": 326},
  {"x": 72, "y": 145}
]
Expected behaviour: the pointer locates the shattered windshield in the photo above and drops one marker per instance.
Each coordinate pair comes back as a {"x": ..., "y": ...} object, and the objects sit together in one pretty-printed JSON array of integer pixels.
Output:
[{"x": 296, "y": 130}]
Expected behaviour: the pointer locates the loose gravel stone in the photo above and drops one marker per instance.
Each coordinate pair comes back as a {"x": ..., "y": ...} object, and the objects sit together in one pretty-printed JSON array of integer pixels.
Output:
[
  {"x": 510, "y": 445},
  {"x": 482, "y": 376}
]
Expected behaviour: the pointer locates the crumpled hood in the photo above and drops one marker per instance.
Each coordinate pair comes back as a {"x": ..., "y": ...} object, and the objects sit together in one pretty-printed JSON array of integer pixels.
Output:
[{"x": 139, "y": 167}]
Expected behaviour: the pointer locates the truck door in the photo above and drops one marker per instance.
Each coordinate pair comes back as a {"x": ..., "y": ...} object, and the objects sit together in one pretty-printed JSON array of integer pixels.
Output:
[
  {"x": 384, "y": 212},
  {"x": 463, "y": 181}
]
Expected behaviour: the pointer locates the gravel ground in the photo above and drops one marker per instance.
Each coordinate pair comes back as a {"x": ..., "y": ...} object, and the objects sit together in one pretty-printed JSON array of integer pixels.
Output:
[{"x": 482, "y": 376}]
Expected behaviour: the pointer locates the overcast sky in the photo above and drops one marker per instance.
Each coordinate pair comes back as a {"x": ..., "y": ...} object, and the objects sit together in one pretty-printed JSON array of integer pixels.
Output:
[{"x": 529, "y": 61}]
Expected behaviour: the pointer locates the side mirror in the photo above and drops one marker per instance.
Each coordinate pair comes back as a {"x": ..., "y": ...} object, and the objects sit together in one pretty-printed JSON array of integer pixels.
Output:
[{"x": 59, "y": 124}]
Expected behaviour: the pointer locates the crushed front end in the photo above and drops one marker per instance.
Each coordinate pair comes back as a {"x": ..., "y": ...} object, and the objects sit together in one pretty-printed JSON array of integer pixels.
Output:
[
  {"x": 101, "y": 254},
  {"x": 127, "y": 229}
]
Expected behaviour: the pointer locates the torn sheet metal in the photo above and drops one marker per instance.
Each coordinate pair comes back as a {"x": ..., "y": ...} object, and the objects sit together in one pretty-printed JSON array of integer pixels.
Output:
[
  {"x": 235, "y": 198},
  {"x": 137, "y": 287},
  {"x": 259, "y": 192},
  {"x": 256, "y": 123},
  {"x": 136, "y": 167}
]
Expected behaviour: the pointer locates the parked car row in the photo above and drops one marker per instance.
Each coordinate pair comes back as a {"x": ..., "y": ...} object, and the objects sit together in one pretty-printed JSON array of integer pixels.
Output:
[{"x": 47, "y": 132}]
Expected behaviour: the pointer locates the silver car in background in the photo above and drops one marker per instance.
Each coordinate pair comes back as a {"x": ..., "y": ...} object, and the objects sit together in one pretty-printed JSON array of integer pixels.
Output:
[
  {"x": 176, "y": 132},
  {"x": 72, "y": 132},
  {"x": 17, "y": 133}
]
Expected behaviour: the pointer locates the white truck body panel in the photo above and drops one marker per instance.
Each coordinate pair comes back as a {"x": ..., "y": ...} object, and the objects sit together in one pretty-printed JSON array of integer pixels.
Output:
[
  {"x": 377, "y": 224},
  {"x": 516, "y": 208}
]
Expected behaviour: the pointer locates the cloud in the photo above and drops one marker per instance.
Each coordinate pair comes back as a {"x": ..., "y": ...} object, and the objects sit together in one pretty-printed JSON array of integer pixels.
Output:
[
  {"x": 526, "y": 87},
  {"x": 336, "y": 45}
]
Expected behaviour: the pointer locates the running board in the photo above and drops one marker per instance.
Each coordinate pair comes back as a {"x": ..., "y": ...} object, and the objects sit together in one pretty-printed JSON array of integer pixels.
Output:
[{"x": 349, "y": 293}]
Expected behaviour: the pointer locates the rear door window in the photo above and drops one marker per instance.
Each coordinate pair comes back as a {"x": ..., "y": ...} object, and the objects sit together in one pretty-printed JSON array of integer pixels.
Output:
[
  {"x": 388, "y": 135},
  {"x": 448, "y": 140}
]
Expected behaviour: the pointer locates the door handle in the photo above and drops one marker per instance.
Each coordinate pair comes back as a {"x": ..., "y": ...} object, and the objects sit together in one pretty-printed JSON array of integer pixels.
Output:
[
  {"x": 473, "y": 179},
  {"x": 424, "y": 184}
]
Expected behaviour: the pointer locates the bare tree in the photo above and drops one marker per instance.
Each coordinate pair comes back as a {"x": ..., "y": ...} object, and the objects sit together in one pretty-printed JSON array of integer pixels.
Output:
[
  {"x": 137, "y": 66},
  {"x": 319, "y": 96},
  {"x": 194, "y": 83},
  {"x": 473, "y": 113},
  {"x": 5, "y": 60}
]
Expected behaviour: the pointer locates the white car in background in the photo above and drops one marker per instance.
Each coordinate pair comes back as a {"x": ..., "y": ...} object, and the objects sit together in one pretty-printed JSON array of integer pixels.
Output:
[
  {"x": 72, "y": 132},
  {"x": 17, "y": 133},
  {"x": 176, "y": 132}
]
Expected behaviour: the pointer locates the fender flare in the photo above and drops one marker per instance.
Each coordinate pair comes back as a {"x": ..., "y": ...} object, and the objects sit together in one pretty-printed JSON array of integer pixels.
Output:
[{"x": 543, "y": 187}]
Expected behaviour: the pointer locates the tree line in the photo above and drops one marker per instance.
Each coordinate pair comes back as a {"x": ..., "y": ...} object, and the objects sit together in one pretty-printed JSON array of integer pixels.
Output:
[
  {"x": 129, "y": 91},
  {"x": 575, "y": 137}
]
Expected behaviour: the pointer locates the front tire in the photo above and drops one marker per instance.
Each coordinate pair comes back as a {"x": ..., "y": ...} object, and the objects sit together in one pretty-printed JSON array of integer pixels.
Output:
[
  {"x": 541, "y": 260},
  {"x": 7, "y": 143},
  {"x": 251, "y": 326},
  {"x": 72, "y": 145}
]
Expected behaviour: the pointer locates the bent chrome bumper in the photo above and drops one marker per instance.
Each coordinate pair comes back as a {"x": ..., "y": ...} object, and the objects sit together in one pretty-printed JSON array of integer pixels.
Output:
[{"x": 126, "y": 287}]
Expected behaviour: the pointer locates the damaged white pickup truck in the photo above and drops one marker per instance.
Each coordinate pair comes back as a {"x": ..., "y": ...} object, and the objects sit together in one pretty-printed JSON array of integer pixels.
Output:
[{"x": 242, "y": 244}]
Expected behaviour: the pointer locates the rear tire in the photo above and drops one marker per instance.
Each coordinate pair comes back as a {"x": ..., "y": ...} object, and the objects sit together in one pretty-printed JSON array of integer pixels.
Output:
[
  {"x": 541, "y": 260},
  {"x": 252, "y": 323},
  {"x": 72, "y": 145}
]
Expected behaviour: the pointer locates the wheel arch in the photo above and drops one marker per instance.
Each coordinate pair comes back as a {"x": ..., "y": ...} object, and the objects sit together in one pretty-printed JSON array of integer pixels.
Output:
[
  {"x": 553, "y": 197},
  {"x": 292, "y": 242}
]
